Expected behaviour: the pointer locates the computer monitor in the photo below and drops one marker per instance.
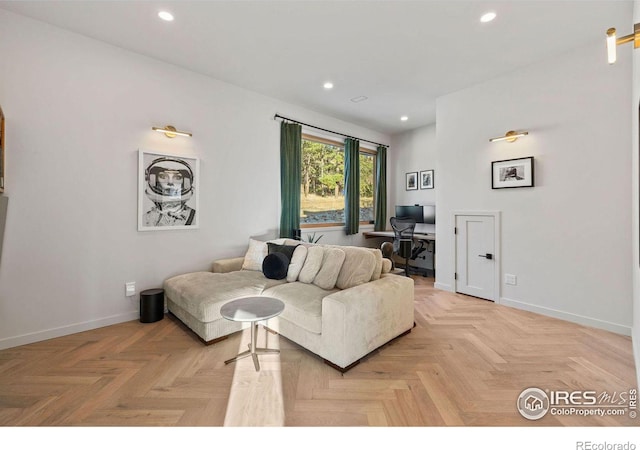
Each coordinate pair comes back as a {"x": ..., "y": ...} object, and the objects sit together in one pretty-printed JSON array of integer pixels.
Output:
[
  {"x": 429, "y": 214},
  {"x": 415, "y": 212},
  {"x": 421, "y": 213}
]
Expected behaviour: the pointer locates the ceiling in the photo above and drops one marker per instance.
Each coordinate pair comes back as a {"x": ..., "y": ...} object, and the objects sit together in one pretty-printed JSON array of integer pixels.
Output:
[{"x": 401, "y": 55}]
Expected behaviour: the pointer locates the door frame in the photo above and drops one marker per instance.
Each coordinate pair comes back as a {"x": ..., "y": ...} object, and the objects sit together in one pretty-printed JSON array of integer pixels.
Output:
[{"x": 497, "y": 215}]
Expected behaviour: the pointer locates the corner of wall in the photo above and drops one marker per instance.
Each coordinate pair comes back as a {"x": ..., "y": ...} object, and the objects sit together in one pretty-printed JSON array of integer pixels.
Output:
[{"x": 635, "y": 201}]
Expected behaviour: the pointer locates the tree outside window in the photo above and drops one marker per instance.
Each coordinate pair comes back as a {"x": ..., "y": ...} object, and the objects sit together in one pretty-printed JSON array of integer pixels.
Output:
[{"x": 322, "y": 183}]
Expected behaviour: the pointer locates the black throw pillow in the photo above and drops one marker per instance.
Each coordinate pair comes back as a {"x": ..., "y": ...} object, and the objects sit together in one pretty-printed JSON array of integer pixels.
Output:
[
  {"x": 275, "y": 266},
  {"x": 286, "y": 249}
]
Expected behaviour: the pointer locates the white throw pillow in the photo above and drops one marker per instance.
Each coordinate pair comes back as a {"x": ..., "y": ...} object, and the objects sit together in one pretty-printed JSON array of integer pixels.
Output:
[
  {"x": 255, "y": 255},
  {"x": 311, "y": 265},
  {"x": 358, "y": 267},
  {"x": 331, "y": 264},
  {"x": 297, "y": 261}
]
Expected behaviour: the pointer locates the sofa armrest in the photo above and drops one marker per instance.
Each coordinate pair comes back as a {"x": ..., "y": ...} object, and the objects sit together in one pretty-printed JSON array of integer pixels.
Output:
[
  {"x": 227, "y": 265},
  {"x": 360, "y": 319}
]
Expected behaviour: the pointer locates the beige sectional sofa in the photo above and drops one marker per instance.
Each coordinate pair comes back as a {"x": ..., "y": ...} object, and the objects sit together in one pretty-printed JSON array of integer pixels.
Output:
[{"x": 341, "y": 302}]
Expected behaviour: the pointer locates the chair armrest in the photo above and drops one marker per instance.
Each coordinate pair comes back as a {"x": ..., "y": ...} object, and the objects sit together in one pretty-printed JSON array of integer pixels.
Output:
[{"x": 227, "y": 265}]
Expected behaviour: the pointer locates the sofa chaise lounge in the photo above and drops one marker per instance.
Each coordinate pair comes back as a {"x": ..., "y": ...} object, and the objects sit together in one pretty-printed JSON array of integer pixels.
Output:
[{"x": 341, "y": 302}]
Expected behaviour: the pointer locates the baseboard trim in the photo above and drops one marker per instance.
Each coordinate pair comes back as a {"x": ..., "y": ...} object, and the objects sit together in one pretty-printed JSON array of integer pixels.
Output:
[
  {"x": 571, "y": 317},
  {"x": 442, "y": 286},
  {"x": 51, "y": 333}
]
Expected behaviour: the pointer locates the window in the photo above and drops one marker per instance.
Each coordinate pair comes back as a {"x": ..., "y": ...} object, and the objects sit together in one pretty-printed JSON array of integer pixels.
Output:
[
  {"x": 367, "y": 190},
  {"x": 322, "y": 183}
]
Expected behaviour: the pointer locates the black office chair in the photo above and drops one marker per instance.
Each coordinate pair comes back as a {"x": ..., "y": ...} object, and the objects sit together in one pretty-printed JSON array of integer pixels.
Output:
[{"x": 403, "y": 228}]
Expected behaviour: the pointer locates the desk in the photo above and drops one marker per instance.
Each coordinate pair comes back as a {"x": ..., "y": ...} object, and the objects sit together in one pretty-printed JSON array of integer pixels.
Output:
[
  {"x": 429, "y": 237},
  {"x": 389, "y": 234}
]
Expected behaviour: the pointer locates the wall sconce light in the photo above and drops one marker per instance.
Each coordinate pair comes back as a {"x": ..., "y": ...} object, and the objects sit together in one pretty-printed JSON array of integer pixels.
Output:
[
  {"x": 171, "y": 132},
  {"x": 612, "y": 41},
  {"x": 510, "y": 136}
]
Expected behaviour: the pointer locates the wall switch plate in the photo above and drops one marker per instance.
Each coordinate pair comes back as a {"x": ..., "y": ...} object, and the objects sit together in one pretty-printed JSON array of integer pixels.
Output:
[
  {"x": 130, "y": 289},
  {"x": 510, "y": 279}
]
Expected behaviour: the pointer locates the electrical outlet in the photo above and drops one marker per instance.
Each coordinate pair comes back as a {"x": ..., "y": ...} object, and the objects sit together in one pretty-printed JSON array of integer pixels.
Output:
[
  {"x": 130, "y": 289},
  {"x": 510, "y": 279}
]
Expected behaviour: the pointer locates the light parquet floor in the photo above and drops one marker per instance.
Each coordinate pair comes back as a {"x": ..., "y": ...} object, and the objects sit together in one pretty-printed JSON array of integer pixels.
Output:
[{"x": 465, "y": 363}]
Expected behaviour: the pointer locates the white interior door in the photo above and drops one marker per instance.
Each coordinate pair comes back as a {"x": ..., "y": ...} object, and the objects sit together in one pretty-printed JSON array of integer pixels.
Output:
[{"x": 475, "y": 256}]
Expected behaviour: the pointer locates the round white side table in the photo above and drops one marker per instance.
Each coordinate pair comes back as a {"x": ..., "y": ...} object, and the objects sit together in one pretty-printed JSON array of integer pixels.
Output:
[{"x": 252, "y": 309}]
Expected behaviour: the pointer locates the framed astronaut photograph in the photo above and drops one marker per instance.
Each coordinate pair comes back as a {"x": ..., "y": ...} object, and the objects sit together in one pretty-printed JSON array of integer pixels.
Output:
[
  {"x": 167, "y": 191},
  {"x": 1, "y": 151}
]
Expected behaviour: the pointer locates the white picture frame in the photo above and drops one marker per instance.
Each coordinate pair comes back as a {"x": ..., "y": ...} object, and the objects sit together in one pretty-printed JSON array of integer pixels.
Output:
[{"x": 168, "y": 191}]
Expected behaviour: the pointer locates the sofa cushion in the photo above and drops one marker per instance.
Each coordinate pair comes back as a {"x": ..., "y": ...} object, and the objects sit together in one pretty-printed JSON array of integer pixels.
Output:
[
  {"x": 359, "y": 265},
  {"x": 275, "y": 266},
  {"x": 287, "y": 250},
  {"x": 332, "y": 261},
  {"x": 296, "y": 263},
  {"x": 202, "y": 294},
  {"x": 312, "y": 264},
  {"x": 255, "y": 255},
  {"x": 378, "y": 269},
  {"x": 303, "y": 304},
  {"x": 287, "y": 241}
]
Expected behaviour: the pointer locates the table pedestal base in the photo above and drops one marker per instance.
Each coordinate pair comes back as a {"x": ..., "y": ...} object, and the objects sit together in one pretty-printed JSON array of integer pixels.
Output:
[{"x": 253, "y": 350}]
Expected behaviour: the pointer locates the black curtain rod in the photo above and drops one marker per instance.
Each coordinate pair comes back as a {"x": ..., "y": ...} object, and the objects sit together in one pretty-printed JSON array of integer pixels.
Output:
[{"x": 278, "y": 116}]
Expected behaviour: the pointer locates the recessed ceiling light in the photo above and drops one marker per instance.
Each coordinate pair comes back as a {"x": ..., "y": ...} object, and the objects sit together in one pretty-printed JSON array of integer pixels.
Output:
[
  {"x": 328, "y": 85},
  {"x": 165, "y": 15},
  {"x": 404, "y": 118},
  {"x": 488, "y": 17}
]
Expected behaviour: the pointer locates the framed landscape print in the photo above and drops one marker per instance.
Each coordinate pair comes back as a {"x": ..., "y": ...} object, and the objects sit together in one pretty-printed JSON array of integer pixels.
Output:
[
  {"x": 167, "y": 191},
  {"x": 512, "y": 173},
  {"x": 426, "y": 179},
  {"x": 412, "y": 181}
]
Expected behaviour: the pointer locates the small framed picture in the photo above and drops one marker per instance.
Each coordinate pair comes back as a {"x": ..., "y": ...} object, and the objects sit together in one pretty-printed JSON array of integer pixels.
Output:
[
  {"x": 512, "y": 173},
  {"x": 426, "y": 179},
  {"x": 412, "y": 181},
  {"x": 167, "y": 191}
]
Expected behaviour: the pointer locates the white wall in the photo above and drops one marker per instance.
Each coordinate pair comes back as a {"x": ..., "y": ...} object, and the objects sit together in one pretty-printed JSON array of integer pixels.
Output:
[
  {"x": 567, "y": 239},
  {"x": 411, "y": 151},
  {"x": 77, "y": 111},
  {"x": 635, "y": 211}
]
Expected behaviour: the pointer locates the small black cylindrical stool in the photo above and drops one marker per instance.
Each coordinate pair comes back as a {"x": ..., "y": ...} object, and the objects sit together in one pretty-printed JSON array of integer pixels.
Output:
[{"x": 151, "y": 305}]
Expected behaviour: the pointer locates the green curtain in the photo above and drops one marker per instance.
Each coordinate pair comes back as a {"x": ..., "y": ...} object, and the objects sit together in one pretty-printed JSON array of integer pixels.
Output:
[
  {"x": 381, "y": 190},
  {"x": 290, "y": 174},
  {"x": 351, "y": 185}
]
